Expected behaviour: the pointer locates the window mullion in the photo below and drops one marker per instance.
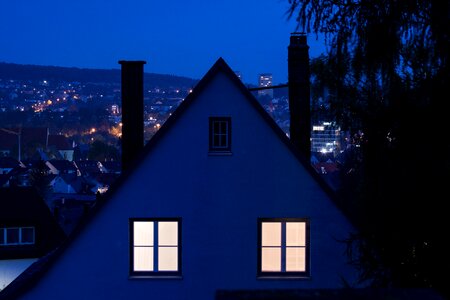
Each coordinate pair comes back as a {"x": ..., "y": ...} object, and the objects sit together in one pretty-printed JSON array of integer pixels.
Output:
[
  {"x": 155, "y": 246},
  {"x": 283, "y": 247}
]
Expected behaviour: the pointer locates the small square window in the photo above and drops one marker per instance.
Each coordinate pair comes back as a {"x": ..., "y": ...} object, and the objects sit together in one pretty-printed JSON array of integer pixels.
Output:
[
  {"x": 155, "y": 247},
  {"x": 283, "y": 247},
  {"x": 2, "y": 236},
  {"x": 17, "y": 236},
  {"x": 12, "y": 236},
  {"x": 219, "y": 134},
  {"x": 27, "y": 235}
]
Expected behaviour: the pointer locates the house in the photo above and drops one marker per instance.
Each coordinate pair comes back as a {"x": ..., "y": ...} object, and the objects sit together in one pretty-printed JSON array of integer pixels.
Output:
[
  {"x": 67, "y": 183},
  {"x": 111, "y": 166},
  {"x": 218, "y": 199},
  {"x": 8, "y": 142},
  {"x": 23, "y": 141},
  {"x": 30, "y": 170},
  {"x": 11, "y": 172},
  {"x": 60, "y": 145},
  {"x": 62, "y": 167},
  {"x": 7, "y": 164},
  {"x": 69, "y": 209},
  {"x": 28, "y": 231},
  {"x": 34, "y": 142},
  {"x": 88, "y": 167}
]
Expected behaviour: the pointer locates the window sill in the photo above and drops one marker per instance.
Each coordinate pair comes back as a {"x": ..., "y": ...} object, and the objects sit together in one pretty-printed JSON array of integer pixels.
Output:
[
  {"x": 138, "y": 277},
  {"x": 220, "y": 153},
  {"x": 283, "y": 277}
]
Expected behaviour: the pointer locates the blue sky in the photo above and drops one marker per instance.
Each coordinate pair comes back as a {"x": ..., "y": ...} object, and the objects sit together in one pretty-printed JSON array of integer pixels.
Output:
[{"x": 174, "y": 37}]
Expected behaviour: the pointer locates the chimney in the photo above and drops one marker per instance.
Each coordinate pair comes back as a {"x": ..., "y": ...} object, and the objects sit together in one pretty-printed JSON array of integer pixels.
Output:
[
  {"x": 132, "y": 110},
  {"x": 299, "y": 93}
]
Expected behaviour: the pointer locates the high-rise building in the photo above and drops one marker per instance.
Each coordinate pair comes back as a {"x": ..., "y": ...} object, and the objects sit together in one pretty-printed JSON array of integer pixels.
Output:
[
  {"x": 115, "y": 109},
  {"x": 325, "y": 137},
  {"x": 265, "y": 80}
]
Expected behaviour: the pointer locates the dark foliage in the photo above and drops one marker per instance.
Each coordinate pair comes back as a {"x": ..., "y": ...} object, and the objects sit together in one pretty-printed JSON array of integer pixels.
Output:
[
  {"x": 386, "y": 73},
  {"x": 39, "y": 178}
]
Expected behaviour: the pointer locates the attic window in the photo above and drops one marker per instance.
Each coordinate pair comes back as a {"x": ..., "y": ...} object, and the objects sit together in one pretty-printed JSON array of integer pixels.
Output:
[
  {"x": 219, "y": 134},
  {"x": 11, "y": 236},
  {"x": 155, "y": 247},
  {"x": 283, "y": 247}
]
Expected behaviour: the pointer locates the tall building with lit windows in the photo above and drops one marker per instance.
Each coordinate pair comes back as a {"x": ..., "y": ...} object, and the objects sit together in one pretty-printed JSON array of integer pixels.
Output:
[
  {"x": 115, "y": 110},
  {"x": 265, "y": 80},
  {"x": 325, "y": 137}
]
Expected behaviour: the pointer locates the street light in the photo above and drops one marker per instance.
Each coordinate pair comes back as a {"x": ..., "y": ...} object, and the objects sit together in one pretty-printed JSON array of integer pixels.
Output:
[{"x": 18, "y": 138}]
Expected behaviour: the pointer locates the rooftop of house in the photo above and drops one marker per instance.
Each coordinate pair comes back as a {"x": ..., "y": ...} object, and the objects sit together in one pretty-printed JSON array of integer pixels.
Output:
[
  {"x": 28, "y": 135},
  {"x": 37, "y": 269},
  {"x": 63, "y": 165},
  {"x": 21, "y": 207},
  {"x": 60, "y": 142},
  {"x": 9, "y": 163}
]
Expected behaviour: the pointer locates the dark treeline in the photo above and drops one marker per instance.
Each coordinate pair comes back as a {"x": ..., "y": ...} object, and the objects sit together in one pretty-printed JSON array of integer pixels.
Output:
[
  {"x": 386, "y": 77},
  {"x": 71, "y": 74}
]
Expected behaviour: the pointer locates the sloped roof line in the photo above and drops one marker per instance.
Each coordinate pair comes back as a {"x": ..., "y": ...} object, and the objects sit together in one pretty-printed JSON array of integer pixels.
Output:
[{"x": 219, "y": 66}]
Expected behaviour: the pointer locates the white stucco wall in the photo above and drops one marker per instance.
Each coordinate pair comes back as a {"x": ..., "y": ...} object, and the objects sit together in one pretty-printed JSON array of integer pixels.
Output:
[
  {"x": 11, "y": 268},
  {"x": 219, "y": 199}
]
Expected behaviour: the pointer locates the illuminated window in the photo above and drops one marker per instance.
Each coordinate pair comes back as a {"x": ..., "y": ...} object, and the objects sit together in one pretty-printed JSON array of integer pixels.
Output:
[
  {"x": 155, "y": 247},
  {"x": 219, "y": 134},
  {"x": 283, "y": 247},
  {"x": 16, "y": 236}
]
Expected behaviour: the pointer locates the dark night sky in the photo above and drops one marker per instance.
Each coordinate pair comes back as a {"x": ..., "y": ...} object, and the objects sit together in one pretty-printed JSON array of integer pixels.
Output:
[{"x": 174, "y": 37}]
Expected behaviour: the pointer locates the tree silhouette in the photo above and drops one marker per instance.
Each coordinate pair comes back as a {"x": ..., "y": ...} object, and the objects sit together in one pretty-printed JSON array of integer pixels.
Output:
[{"x": 386, "y": 70}]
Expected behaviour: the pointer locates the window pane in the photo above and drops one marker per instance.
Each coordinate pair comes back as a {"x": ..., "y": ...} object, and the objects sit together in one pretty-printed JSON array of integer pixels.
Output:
[
  {"x": 2, "y": 236},
  {"x": 12, "y": 235},
  {"x": 295, "y": 259},
  {"x": 271, "y": 260},
  {"x": 216, "y": 127},
  {"x": 28, "y": 235},
  {"x": 223, "y": 127},
  {"x": 168, "y": 259},
  {"x": 295, "y": 233},
  {"x": 168, "y": 233},
  {"x": 271, "y": 234},
  {"x": 223, "y": 140},
  {"x": 143, "y": 233},
  {"x": 143, "y": 259},
  {"x": 216, "y": 140}
]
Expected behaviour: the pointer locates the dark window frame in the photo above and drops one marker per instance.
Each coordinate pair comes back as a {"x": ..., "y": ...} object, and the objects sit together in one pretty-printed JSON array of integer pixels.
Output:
[
  {"x": 284, "y": 274},
  {"x": 217, "y": 148},
  {"x": 155, "y": 273},
  {"x": 20, "y": 241}
]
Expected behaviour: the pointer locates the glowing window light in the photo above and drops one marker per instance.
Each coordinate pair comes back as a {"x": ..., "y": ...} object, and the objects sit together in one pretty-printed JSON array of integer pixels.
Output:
[
  {"x": 284, "y": 247},
  {"x": 155, "y": 247}
]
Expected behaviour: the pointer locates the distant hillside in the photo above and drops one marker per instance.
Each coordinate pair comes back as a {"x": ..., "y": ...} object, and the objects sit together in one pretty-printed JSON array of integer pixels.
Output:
[{"x": 10, "y": 71}]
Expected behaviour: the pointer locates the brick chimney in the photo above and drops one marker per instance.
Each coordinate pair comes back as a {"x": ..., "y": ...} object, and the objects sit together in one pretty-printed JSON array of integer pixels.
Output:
[
  {"x": 299, "y": 93},
  {"x": 132, "y": 110}
]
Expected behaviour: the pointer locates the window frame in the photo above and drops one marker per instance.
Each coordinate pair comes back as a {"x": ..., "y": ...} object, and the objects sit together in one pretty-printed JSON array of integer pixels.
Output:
[
  {"x": 216, "y": 148},
  {"x": 283, "y": 273},
  {"x": 20, "y": 241},
  {"x": 155, "y": 273}
]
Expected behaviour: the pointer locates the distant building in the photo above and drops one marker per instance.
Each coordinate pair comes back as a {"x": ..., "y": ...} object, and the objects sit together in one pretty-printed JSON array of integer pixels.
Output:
[
  {"x": 325, "y": 137},
  {"x": 115, "y": 110},
  {"x": 28, "y": 231},
  {"x": 28, "y": 141},
  {"x": 265, "y": 80}
]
